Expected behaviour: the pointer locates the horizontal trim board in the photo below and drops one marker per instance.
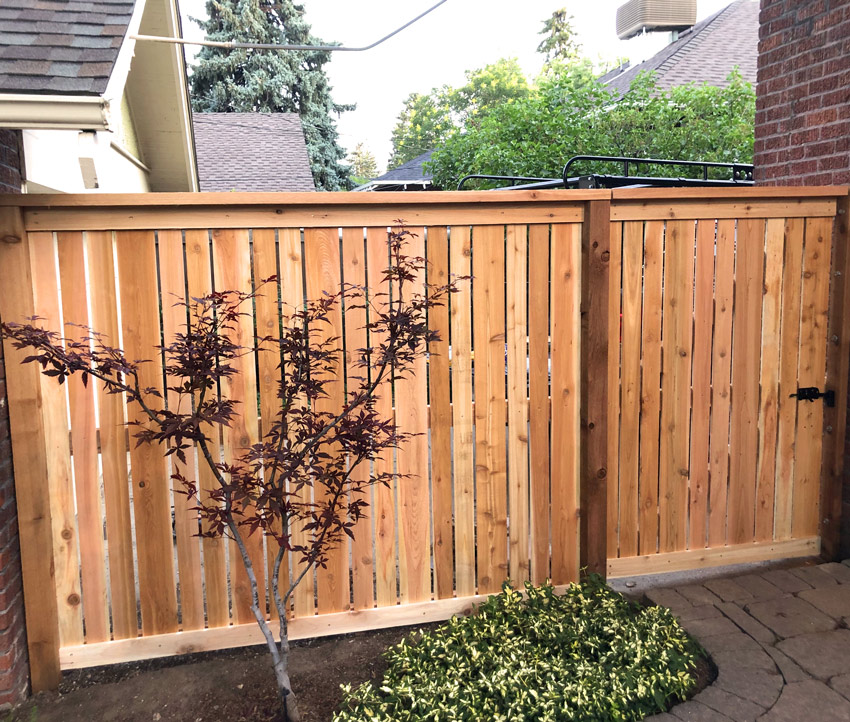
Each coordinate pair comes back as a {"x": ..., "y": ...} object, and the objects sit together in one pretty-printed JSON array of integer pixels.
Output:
[
  {"x": 413, "y": 214},
  {"x": 735, "y": 192},
  {"x": 709, "y": 209},
  {"x": 700, "y": 558},
  {"x": 207, "y": 640},
  {"x": 423, "y": 198}
]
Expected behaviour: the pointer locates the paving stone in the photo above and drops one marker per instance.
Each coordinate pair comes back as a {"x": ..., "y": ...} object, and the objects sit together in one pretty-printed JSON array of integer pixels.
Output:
[
  {"x": 759, "y": 687},
  {"x": 735, "y": 708},
  {"x": 823, "y": 655},
  {"x": 809, "y": 700},
  {"x": 840, "y": 571},
  {"x": 786, "y": 581},
  {"x": 788, "y": 668},
  {"x": 663, "y": 717},
  {"x": 706, "y": 611},
  {"x": 701, "y": 628},
  {"x": 759, "y": 587},
  {"x": 790, "y": 616},
  {"x": 747, "y": 623},
  {"x": 834, "y": 600},
  {"x": 744, "y": 660},
  {"x": 696, "y": 712},
  {"x": 728, "y": 590},
  {"x": 669, "y": 598},
  {"x": 846, "y": 562},
  {"x": 813, "y": 576},
  {"x": 728, "y": 642},
  {"x": 697, "y": 594},
  {"x": 841, "y": 684}
]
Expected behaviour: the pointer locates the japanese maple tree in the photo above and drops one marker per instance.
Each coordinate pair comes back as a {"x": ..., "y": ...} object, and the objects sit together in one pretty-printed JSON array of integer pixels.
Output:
[{"x": 262, "y": 488}]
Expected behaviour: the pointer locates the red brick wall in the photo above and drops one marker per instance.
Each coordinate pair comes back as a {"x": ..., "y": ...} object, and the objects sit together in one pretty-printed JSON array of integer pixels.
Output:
[
  {"x": 14, "y": 668},
  {"x": 803, "y": 93}
]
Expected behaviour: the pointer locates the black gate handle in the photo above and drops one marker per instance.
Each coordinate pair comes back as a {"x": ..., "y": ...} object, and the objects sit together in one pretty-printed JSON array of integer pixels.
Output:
[{"x": 813, "y": 393}]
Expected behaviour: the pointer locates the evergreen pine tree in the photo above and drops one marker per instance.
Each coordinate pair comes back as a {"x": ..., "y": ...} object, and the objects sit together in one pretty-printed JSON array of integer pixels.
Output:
[{"x": 271, "y": 81}]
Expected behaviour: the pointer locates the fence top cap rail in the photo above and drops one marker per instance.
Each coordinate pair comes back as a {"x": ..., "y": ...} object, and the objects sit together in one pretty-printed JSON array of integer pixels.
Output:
[
  {"x": 730, "y": 194},
  {"x": 93, "y": 200}
]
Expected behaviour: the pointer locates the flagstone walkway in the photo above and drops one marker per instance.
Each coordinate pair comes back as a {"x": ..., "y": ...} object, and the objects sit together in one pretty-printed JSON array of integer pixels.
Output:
[{"x": 779, "y": 638}]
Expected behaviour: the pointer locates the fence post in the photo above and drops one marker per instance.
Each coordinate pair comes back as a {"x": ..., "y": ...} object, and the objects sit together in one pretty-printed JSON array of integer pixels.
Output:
[
  {"x": 593, "y": 475},
  {"x": 30, "y": 459},
  {"x": 837, "y": 372}
]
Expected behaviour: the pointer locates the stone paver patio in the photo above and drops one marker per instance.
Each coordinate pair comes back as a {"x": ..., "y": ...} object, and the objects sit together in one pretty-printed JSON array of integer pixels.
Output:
[{"x": 779, "y": 639}]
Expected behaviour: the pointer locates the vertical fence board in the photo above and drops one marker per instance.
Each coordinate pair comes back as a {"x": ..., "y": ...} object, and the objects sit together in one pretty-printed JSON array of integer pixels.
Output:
[
  {"x": 517, "y": 361},
  {"x": 746, "y": 343},
  {"x": 30, "y": 456},
  {"x": 565, "y": 334},
  {"x": 701, "y": 383},
  {"x": 629, "y": 455},
  {"x": 199, "y": 284},
  {"x": 72, "y": 278},
  {"x": 538, "y": 393},
  {"x": 768, "y": 404},
  {"x": 151, "y": 487},
  {"x": 439, "y": 376},
  {"x": 812, "y": 372},
  {"x": 354, "y": 273},
  {"x": 615, "y": 325},
  {"x": 676, "y": 375},
  {"x": 488, "y": 290},
  {"x": 113, "y": 444},
  {"x": 462, "y": 416},
  {"x": 172, "y": 280},
  {"x": 792, "y": 277},
  {"x": 650, "y": 397},
  {"x": 384, "y": 497},
  {"x": 56, "y": 434},
  {"x": 721, "y": 375}
]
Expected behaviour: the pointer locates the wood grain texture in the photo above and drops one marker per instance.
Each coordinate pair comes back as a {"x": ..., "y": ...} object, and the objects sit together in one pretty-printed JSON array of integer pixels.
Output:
[
  {"x": 811, "y": 372},
  {"x": 721, "y": 375},
  {"x": 57, "y": 437},
  {"x": 113, "y": 444},
  {"x": 386, "y": 572},
  {"x": 322, "y": 273},
  {"x": 151, "y": 486},
  {"x": 701, "y": 385},
  {"x": 354, "y": 273},
  {"x": 199, "y": 284},
  {"x": 676, "y": 376},
  {"x": 658, "y": 209},
  {"x": 439, "y": 377},
  {"x": 172, "y": 278},
  {"x": 488, "y": 268},
  {"x": 30, "y": 457},
  {"x": 629, "y": 451},
  {"x": 76, "y": 322},
  {"x": 650, "y": 396},
  {"x": 746, "y": 347},
  {"x": 538, "y": 398},
  {"x": 614, "y": 356},
  {"x": 566, "y": 337},
  {"x": 769, "y": 398},
  {"x": 460, "y": 255}
]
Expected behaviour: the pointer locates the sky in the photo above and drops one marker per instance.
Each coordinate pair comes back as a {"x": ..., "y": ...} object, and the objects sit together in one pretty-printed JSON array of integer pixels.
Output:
[{"x": 459, "y": 35}]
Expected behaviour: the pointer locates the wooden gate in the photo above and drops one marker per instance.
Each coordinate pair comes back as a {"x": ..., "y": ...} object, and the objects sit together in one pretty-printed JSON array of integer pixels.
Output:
[{"x": 719, "y": 312}]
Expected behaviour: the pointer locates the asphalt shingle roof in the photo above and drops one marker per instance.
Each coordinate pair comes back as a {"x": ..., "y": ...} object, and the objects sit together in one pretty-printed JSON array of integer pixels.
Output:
[
  {"x": 410, "y": 171},
  {"x": 262, "y": 152},
  {"x": 705, "y": 53},
  {"x": 60, "y": 46}
]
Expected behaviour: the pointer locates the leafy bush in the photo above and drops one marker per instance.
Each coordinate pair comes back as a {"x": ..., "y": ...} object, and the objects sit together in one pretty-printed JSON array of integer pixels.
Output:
[{"x": 588, "y": 654}]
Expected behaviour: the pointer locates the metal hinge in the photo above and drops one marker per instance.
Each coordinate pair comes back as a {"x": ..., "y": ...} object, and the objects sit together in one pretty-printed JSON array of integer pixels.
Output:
[{"x": 813, "y": 393}]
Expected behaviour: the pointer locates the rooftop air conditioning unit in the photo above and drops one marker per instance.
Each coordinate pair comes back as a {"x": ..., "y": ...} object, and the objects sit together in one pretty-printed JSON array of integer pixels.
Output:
[{"x": 654, "y": 15}]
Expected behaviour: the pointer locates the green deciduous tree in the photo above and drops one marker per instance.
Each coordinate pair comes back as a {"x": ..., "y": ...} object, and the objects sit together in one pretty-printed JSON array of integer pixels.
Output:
[{"x": 275, "y": 81}]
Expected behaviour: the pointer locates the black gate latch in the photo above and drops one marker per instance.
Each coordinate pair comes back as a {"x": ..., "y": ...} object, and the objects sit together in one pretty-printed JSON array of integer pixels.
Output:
[{"x": 813, "y": 393}]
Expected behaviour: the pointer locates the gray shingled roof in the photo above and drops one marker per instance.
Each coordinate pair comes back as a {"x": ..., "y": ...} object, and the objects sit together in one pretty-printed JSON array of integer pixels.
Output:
[
  {"x": 62, "y": 47},
  {"x": 706, "y": 53},
  {"x": 410, "y": 171},
  {"x": 251, "y": 152}
]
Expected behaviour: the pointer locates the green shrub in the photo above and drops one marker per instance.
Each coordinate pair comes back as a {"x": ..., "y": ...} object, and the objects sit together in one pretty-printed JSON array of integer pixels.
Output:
[{"x": 588, "y": 654}]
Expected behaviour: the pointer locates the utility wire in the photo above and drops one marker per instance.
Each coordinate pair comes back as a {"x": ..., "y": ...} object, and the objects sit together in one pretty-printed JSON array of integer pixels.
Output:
[{"x": 276, "y": 46}]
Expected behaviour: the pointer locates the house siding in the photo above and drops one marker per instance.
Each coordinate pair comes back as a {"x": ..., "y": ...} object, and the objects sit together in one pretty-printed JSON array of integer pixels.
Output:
[{"x": 14, "y": 666}]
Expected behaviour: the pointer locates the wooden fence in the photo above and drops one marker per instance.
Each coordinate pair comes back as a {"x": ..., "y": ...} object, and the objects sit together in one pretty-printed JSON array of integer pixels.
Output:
[{"x": 526, "y": 466}]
